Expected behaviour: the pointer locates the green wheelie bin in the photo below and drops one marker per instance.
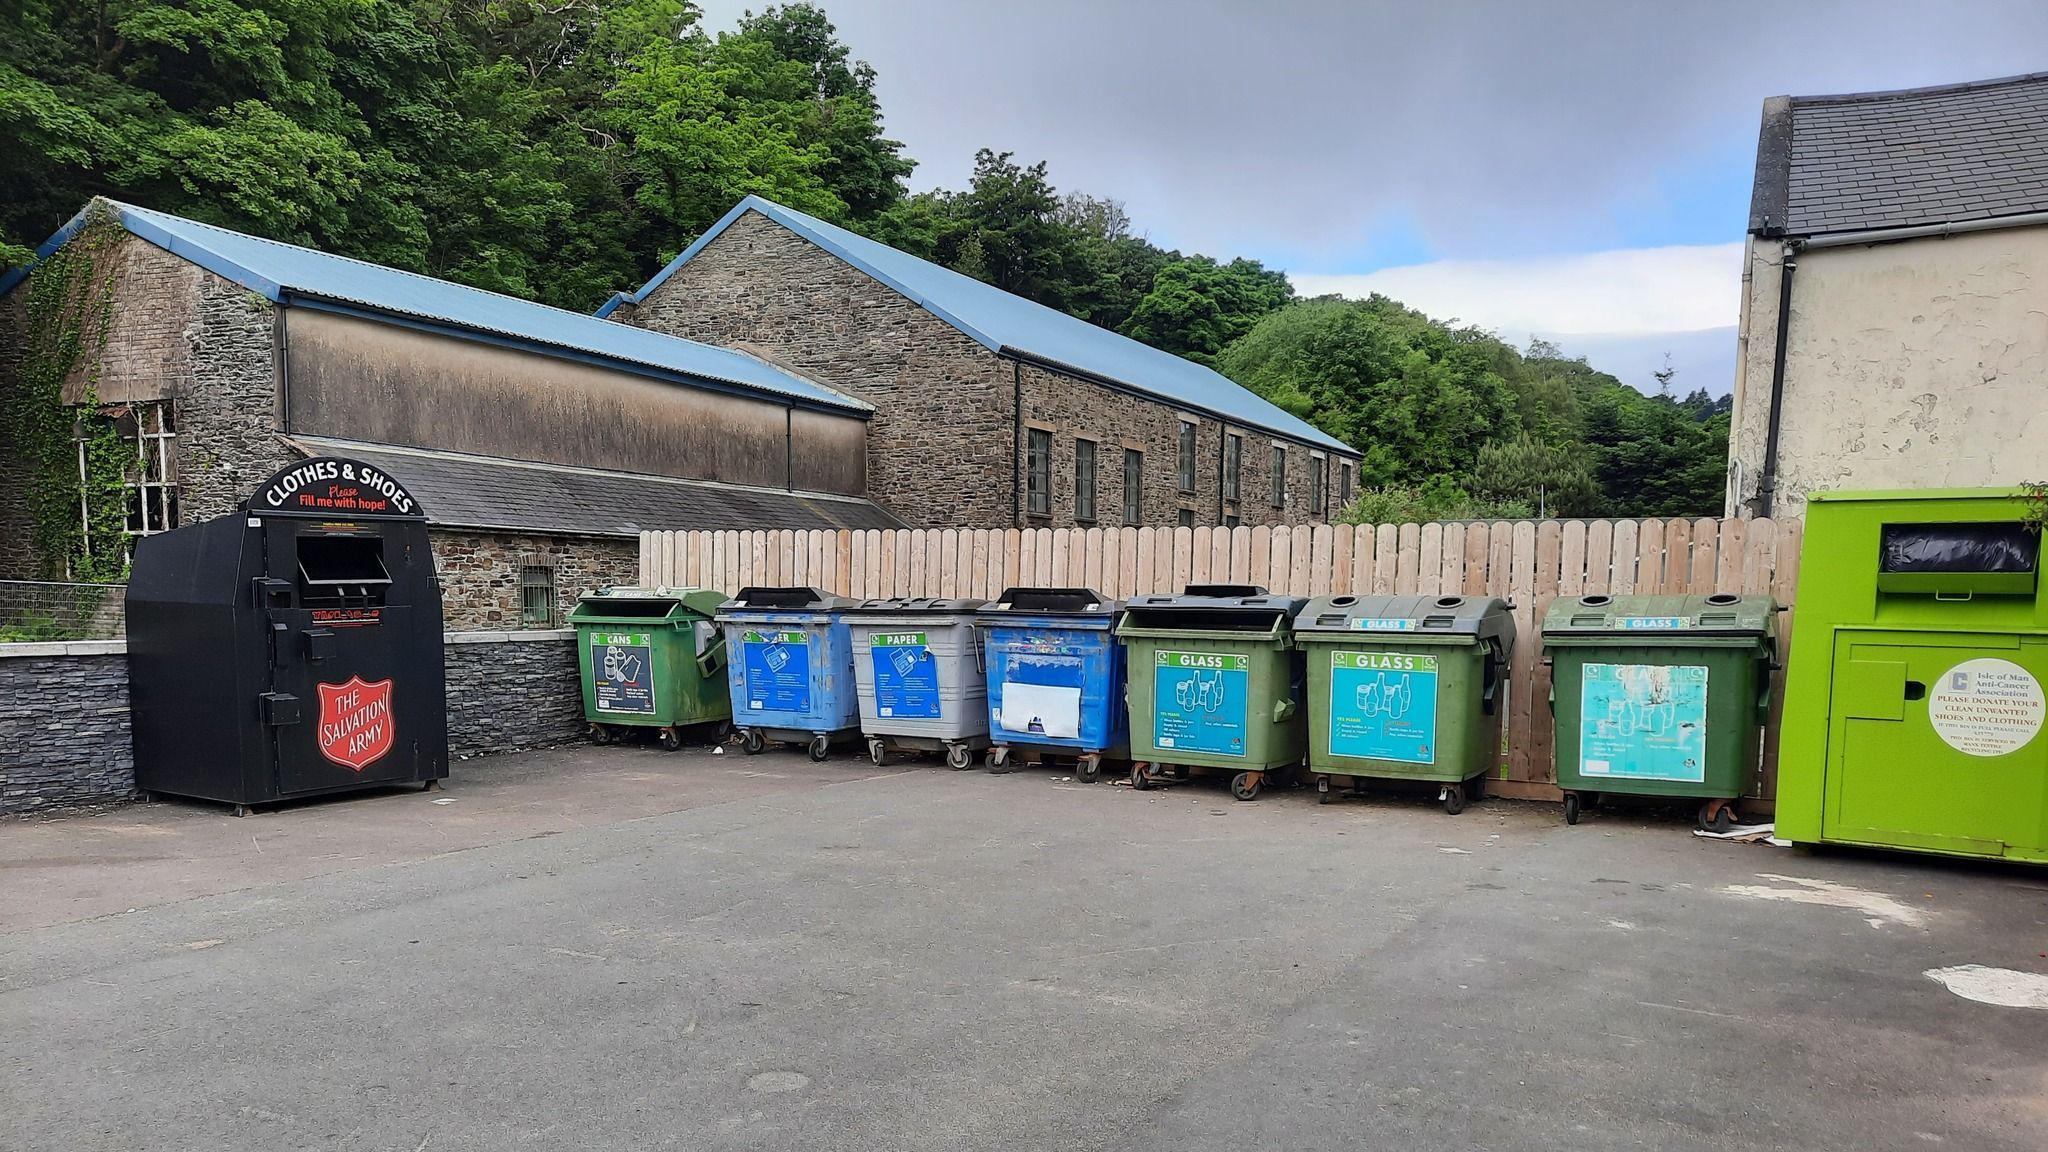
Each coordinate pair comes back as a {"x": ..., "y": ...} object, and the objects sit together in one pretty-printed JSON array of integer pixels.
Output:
[
  {"x": 1215, "y": 685},
  {"x": 650, "y": 658},
  {"x": 1660, "y": 696},
  {"x": 1405, "y": 688}
]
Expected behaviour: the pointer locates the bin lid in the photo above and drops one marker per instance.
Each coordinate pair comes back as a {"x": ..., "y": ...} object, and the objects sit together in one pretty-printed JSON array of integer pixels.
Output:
[
  {"x": 789, "y": 601},
  {"x": 891, "y": 609},
  {"x": 617, "y": 603},
  {"x": 1071, "y": 602},
  {"x": 1211, "y": 608},
  {"x": 1474, "y": 618},
  {"x": 1660, "y": 619}
]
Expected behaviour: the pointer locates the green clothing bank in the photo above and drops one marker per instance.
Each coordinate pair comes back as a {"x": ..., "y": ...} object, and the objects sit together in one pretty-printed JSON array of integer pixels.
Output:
[{"x": 1914, "y": 706}]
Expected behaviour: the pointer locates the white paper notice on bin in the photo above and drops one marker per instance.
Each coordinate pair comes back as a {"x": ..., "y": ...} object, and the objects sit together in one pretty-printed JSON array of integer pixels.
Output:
[{"x": 1041, "y": 710}]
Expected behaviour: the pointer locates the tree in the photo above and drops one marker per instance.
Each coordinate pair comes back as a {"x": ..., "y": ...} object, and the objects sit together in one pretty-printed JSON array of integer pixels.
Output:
[
  {"x": 1197, "y": 307},
  {"x": 1552, "y": 477}
]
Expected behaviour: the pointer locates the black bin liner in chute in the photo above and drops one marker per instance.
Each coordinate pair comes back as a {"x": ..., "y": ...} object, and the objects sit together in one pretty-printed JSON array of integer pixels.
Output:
[{"x": 1992, "y": 547}]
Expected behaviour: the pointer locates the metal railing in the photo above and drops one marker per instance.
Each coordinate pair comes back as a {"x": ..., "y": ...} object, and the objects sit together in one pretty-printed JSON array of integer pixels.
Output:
[{"x": 35, "y": 610}]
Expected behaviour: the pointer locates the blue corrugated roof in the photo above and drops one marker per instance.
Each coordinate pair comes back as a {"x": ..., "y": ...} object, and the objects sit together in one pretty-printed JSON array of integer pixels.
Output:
[
  {"x": 291, "y": 274},
  {"x": 1006, "y": 323}
]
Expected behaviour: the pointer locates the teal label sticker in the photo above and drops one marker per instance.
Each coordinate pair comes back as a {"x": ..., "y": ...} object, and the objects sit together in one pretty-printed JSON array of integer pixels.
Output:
[
  {"x": 1643, "y": 722},
  {"x": 1383, "y": 706},
  {"x": 1382, "y": 624},
  {"x": 1651, "y": 623},
  {"x": 1199, "y": 702}
]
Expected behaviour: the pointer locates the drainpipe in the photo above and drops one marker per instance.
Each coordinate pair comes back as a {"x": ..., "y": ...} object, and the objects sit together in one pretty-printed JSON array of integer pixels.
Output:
[
  {"x": 1767, "y": 481},
  {"x": 1016, "y": 443}
]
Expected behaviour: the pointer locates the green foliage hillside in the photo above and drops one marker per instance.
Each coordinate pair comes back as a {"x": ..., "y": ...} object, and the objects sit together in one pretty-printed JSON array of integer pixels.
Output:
[{"x": 563, "y": 149}]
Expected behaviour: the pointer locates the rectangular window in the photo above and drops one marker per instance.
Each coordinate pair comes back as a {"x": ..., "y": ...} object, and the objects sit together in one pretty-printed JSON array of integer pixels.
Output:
[
  {"x": 1318, "y": 473},
  {"x": 1186, "y": 519},
  {"x": 1187, "y": 456},
  {"x": 536, "y": 593},
  {"x": 1039, "y": 470},
  {"x": 1344, "y": 484},
  {"x": 149, "y": 478},
  {"x": 1084, "y": 481},
  {"x": 1134, "y": 486},
  {"x": 1279, "y": 476},
  {"x": 1230, "y": 520},
  {"x": 1233, "y": 460}
]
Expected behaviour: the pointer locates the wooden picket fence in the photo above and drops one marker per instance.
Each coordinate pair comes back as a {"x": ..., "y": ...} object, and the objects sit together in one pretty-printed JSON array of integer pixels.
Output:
[{"x": 1529, "y": 563}]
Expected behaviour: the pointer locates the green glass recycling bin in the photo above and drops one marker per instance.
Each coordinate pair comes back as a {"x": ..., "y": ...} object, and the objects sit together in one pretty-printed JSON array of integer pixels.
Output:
[
  {"x": 650, "y": 658},
  {"x": 1405, "y": 688},
  {"x": 1660, "y": 696},
  {"x": 1215, "y": 685}
]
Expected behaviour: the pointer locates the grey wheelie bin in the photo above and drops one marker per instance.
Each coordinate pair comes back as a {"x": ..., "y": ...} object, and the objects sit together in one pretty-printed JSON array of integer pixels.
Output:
[{"x": 918, "y": 666}]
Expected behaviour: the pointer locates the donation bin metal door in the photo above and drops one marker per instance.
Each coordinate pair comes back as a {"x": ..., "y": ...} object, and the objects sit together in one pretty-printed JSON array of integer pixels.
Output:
[{"x": 1938, "y": 740}]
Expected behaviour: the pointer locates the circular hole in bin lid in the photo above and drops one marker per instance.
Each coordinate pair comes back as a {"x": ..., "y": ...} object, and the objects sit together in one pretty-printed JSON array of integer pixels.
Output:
[
  {"x": 1597, "y": 600},
  {"x": 1343, "y": 601},
  {"x": 1449, "y": 601},
  {"x": 1723, "y": 599}
]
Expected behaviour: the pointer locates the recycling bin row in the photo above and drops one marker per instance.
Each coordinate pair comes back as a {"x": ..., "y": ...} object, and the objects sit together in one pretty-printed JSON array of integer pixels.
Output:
[{"x": 1656, "y": 696}]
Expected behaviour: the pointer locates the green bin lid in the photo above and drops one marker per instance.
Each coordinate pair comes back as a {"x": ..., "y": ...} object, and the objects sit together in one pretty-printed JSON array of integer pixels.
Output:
[
  {"x": 651, "y": 605},
  {"x": 1212, "y": 608},
  {"x": 1660, "y": 619},
  {"x": 1475, "y": 618}
]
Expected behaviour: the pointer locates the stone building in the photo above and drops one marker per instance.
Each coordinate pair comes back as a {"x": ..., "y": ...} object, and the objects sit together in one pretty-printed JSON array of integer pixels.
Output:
[
  {"x": 539, "y": 441},
  {"x": 1909, "y": 231},
  {"x": 990, "y": 410}
]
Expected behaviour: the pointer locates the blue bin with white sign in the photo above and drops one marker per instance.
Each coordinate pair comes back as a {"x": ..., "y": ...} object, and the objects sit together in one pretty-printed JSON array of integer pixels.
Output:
[
  {"x": 790, "y": 668},
  {"x": 1055, "y": 678},
  {"x": 1406, "y": 688},
  {"x": 918, "y": 666}
]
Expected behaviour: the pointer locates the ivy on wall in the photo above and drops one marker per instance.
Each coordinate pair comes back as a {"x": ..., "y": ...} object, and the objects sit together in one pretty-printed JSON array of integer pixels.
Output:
[{"x": 68, "y": 310}]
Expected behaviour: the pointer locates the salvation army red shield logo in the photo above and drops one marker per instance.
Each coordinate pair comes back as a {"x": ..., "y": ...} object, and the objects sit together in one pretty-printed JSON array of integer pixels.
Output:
[{"x": 355, "y": 722}]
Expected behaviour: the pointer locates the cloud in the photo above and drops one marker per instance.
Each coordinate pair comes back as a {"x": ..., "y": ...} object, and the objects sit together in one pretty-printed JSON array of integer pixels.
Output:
[{"x": 1624, "y": 292}]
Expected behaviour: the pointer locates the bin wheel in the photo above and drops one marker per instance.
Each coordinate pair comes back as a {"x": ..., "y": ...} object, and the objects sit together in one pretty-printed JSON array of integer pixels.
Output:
[
  {"x": 671, "y": 739},
  {"x": 1571, "y": 808},
  {"x": 999, "y": 759},
  {"x": 1454, "y": 798},
  {"x": 959, "y": 758},
  {"x": 1089, "y": 768},
  {"x": 599, "y": 734},
  {"x": 1246, "y": 785},
  {"x": 877, "y": 752},
  {"x": 752, "y": 742},
  {"x": 1323, "y": 793},
  {"x": 821, "y": 747},
  {"x": 1140, "y": 778},
  {"x": 1717, "y": 816}
]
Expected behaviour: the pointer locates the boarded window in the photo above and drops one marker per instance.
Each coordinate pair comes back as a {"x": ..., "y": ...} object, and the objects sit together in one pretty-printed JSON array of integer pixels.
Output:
[
  {"x": 1318, "y": 474},
  {"x": 1233, "y": 465},
  {"x": 1186, "y": 519},
  {"x": 1187, "y": 456},
  {"x": 1134, "y": 486},
  {"x": 1084, "y": 481},
  {"x": 1040, "y": 472},
  {"x": 1344, "y": 484},
  {"x": 1279, "y": 476}
]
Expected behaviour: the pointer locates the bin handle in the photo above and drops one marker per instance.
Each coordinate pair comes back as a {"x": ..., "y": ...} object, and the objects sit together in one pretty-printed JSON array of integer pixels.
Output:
[
  {"x": 1491, "y": 678},
  {"x": 1283, "y": 708}
]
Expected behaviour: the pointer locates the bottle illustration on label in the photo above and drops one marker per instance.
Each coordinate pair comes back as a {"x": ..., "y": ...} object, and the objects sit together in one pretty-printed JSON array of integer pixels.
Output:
[
  {"x": 621, "y": 664},
  {"x": 1386, "y": 697},
  {"x": 1203, "y": 690}
]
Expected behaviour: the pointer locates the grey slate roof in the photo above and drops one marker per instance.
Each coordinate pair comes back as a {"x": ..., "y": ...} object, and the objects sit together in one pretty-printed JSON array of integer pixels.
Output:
[
  {"x": 463, "y": 491},
  {"x": 1917, "y": 156}
]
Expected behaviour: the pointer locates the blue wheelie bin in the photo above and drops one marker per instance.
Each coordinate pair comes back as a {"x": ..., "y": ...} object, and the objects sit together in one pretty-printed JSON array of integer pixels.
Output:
[
  {"x": 790, "y": 668},
  {"x": 1055, "y": 677}
]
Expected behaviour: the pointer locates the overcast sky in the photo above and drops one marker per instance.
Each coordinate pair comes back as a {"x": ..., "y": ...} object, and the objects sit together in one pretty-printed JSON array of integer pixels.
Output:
[{"x": 1578, "y": 170}]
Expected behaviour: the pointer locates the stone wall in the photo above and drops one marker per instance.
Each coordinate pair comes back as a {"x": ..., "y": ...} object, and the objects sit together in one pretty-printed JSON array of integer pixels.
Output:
[
  {"x": 480, "y": 573},
  {"x": 17, "y": 525},
  {"x": 511, "y": 690},
  {"x": 65, "y": 741},
  {"x": 64, "y": 736},
  {"x": 939, "y": 446},
  {"x": 228, "y": 440}
]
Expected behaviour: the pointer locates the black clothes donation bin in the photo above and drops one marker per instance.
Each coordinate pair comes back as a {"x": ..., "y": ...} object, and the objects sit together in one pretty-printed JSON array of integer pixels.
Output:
[{"x": 292, "y": 648}]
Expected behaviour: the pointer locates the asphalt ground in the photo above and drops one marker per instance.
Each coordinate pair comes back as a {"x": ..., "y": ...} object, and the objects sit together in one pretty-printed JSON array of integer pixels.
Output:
[{"x": 623, "y": 948}]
